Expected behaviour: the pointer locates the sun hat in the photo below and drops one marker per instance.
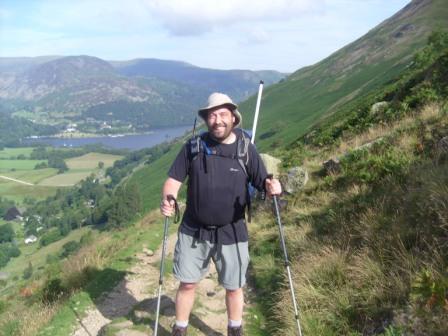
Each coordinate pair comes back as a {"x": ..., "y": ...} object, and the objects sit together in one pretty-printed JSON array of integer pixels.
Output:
[{"x": 218, "y": 99}]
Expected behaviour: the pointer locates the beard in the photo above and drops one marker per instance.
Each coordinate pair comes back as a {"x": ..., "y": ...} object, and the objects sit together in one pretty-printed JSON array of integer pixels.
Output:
[{"x": 220, "y": 132}]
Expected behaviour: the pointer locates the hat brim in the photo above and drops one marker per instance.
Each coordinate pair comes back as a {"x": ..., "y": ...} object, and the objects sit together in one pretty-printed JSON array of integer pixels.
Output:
[{"x": 233, "y": 108}]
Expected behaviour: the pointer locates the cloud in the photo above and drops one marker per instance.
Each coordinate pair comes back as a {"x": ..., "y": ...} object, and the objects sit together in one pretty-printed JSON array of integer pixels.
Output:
[{"x": 196, "y": 17}]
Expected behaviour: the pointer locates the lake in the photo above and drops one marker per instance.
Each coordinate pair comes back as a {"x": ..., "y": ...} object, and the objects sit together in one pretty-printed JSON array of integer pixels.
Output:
[{"x": 132, "y": 142}]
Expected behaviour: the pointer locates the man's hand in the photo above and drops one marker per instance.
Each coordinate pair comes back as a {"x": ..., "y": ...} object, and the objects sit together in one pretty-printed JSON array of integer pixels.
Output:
[
  {"x": 273, "y": 187},
  {"x": 167, "y": 207}
]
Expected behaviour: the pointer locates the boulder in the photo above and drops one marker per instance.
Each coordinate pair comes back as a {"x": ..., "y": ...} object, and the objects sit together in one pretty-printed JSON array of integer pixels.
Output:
[
  {"x": 332, "y": 166},
  {"x": 295, "y": 180},
  {"x": 379, "y": 107},
  {"x": 271, "y": 163},
  {"x": 442, "y": 149},
  {"x": 148, "y": 252}
]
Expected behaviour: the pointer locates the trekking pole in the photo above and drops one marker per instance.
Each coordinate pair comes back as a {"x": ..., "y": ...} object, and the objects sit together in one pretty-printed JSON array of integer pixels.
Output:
[
  {"x": 162, "y": 261},
  {"x": 287, "y": 263},
  {"x": 277, "y": 212},
  {"x": 257, "y": 110}
]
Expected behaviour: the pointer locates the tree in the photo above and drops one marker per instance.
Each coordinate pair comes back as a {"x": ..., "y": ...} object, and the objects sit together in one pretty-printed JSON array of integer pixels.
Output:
[
  {"x": 6, "y": 233},
  {"x": 28, "y": 272}
]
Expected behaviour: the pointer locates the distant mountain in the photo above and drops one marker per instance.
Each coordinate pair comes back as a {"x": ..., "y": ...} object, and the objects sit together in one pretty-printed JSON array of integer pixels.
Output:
[
  {"x": 239, "y": 84},
  {"x": 139, "y": 93},
  {"x": 312, "y": 93}
]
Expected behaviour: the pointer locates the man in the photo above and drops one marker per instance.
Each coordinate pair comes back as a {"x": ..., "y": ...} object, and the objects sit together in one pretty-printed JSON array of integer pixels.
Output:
[{"x": 213, "y": 226}]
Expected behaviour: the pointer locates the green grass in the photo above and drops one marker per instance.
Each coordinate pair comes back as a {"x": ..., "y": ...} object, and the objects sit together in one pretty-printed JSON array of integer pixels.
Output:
[
  {"x": 46, "y": 181},
  {"x": 17, "y": 192},
  {"x": 66, "y": 179},
  {"x": 150, "y": 178},
  {"x": 8, "y": 165},
  {"x": 131, "y": 240},
  {"x": 32, "y": 176},
  {"x": 91, "y": 160},
  {"x": 7, "y": 153},
  {"x": 38, "y": 256}
]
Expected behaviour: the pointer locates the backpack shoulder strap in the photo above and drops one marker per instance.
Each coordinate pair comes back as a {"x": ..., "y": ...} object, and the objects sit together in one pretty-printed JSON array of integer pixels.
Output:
[{"x": 243, "y": 142}]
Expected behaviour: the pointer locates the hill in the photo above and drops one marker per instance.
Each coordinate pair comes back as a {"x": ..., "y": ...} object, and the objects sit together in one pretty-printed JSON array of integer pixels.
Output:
[{"x": 310, "y": 94}]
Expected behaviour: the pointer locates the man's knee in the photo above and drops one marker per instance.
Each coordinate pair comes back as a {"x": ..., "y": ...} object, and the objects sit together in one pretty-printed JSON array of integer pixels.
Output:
[
  {"x": 234, "y": 292},
  {"x": 185, "y": 286}
]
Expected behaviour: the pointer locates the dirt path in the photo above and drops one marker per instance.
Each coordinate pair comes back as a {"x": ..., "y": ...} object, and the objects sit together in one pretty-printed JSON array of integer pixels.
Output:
[
  {"x": 15, "y": 180},
  {"x": 130, "y": 308}
]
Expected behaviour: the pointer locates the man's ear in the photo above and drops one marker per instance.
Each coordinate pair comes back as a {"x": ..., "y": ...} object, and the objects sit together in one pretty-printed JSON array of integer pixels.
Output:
[{"x": 233, "y": 119}]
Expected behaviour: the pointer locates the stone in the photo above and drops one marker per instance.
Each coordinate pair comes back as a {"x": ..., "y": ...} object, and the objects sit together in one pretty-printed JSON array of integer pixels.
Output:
[
  {"x": 148, "y": 252},
  {"x": 332, "y": 166},
  {"x": 295, "y": 180},
  {"x": 379, "y": 107},
  {"x": 123, "y": 324},
  {"x": 129, "y": 332},
  {"x": 442, "y": 149},
  {"x": 271, "y": 163}
]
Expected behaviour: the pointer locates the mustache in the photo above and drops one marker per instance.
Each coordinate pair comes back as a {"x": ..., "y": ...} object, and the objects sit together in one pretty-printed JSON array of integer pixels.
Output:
[{"x": 219, "y": 125}]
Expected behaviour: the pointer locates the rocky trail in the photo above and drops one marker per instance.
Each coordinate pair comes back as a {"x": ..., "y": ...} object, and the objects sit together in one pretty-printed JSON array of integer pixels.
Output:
[{"x": 129, "y": 309}]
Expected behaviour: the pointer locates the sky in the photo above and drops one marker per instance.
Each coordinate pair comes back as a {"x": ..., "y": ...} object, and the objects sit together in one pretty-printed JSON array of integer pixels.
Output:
[{"x": 282, "y": 35}]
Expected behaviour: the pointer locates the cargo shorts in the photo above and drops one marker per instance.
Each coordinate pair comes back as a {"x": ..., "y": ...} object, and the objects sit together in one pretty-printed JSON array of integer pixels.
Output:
[{"x": 192, "y": 259}]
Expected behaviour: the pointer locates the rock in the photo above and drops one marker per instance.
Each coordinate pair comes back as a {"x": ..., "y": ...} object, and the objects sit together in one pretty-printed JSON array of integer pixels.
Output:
[
  {"x": 123, "y": 324},
  {"x": 332, "y": 166},
  {"x": 141, "y": 314},
  {"x": 442, "y": 149},
  {"x": 129, "y": 332},
  {"x": 295, "y": 179},
  {"x": 379, "y": 107},
  {"x": 148, "y": 252},
  {"x": 211, "y": 293},
  {"x": 271, "y": 163}
]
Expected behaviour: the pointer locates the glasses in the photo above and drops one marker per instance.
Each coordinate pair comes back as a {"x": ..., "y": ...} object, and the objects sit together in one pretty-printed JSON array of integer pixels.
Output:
[{"x": 222, "y": 115}]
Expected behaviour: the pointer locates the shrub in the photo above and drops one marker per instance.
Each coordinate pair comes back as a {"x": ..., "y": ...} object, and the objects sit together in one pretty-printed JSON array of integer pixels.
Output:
[
  {"x": 87, "y": 238},
  {"x": 53, "y": 291},
  {"x": 3, "y": 306},
  {"x": 70, "y": 248},
  {"x": 28, "y": 272},
  {"x": 370, "y": 165},
  {"x": 50, "y": 237}
]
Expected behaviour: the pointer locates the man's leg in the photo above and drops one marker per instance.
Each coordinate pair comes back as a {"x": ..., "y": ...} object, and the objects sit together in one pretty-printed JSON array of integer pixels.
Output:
[
  {"x": 235, "y": 304},
  {"x": 185, "y": 300}
]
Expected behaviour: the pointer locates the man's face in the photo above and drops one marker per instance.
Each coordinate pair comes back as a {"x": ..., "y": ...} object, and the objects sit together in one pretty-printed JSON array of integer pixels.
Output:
[{"x": 220, "y": 122}]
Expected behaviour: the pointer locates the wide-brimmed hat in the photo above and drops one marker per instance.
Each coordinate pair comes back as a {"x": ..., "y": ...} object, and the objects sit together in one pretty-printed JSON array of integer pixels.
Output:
[{"x": 218, "y": 99}]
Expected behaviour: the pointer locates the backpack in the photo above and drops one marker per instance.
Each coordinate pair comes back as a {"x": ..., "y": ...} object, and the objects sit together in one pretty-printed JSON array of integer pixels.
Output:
[{"x": 197, "y": 144}]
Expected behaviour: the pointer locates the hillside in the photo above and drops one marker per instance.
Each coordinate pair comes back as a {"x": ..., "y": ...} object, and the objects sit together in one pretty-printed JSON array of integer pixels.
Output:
[{"x": 291, "y": 107}]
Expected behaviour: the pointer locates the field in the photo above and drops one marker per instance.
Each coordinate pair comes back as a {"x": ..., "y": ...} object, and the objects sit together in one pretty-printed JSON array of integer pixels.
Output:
[
  {"x": 65, "y": 180},
  {"x": 8, "y": 153},
  {"x": 11, "y": 165},
  {"x": 19, "y": 179},
  {"x": 91, "y": 160}
]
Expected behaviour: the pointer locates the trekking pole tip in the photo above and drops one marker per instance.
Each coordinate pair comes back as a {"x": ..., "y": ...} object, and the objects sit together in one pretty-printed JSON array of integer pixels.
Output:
[{"x": 261, "y": 82}]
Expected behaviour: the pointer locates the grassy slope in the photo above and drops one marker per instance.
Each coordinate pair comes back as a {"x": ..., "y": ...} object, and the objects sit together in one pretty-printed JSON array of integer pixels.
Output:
[{"x": 290, "y": 108}]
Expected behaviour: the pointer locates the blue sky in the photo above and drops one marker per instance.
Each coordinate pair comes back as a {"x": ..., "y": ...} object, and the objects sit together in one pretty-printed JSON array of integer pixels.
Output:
[{"x": 282, "y": 35}]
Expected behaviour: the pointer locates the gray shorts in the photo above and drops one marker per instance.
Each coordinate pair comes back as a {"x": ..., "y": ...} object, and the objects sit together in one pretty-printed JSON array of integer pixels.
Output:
[{"x": 192, "y": 259}]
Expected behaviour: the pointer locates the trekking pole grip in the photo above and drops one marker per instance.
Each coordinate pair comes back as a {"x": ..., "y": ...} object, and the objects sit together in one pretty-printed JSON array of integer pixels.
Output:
[{"x": 176, "y": 207}]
